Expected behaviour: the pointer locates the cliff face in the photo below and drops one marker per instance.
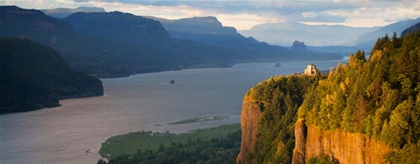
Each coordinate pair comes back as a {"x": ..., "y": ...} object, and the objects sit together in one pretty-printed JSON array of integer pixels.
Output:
[
  {"x": 310, "y": 142},
  {"x": 342, "y": 146},
  {"x": 300, "y": 140},
  {"x": 249, "y": 120}
]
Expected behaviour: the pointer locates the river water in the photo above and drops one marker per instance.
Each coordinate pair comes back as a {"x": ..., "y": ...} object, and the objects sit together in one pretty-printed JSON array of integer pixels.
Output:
[{"x": 139, "y": 102}]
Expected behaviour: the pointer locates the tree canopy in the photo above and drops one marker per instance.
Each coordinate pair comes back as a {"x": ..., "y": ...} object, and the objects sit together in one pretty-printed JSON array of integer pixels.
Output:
[
  {"x": 34, "y": 76},
  {"x": 378, "y": 96}
]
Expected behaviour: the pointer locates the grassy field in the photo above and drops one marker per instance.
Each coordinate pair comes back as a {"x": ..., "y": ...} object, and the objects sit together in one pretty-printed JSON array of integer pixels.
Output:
[
  {"x": 200, "y": 119},
  {"x": 128, "y": 144}
]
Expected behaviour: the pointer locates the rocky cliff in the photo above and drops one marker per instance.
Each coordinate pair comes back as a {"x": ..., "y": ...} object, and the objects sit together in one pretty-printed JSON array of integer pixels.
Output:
[
  {"x": 249, "y": 119},
  {"x": 311, "y": 142},
  {"x": 268, "y": 116},
  {"x": 339, "y": 145}
]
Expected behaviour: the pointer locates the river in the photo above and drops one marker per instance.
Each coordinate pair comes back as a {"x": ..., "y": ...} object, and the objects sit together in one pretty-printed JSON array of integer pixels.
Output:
[{"x": 139, "y": 102}]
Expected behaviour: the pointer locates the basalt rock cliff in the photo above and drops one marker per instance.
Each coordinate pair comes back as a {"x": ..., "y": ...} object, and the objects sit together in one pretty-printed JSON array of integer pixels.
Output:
[
  {"x": 249, "y": 126},
  {"x": 339, "y": 145}
]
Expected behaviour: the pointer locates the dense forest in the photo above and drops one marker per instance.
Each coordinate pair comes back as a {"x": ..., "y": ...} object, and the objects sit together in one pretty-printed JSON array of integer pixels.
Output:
[
  {"x": 378, "y": 96},
  {"x": 34, "y": 76},
  {"x": 279, "y": 99}
]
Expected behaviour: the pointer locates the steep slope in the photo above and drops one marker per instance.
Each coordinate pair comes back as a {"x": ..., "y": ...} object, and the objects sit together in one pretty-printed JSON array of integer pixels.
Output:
[
  {"x": 314, "y": 35},
  {"x": 119, "y": 44},
  {"x": 34, "y": 76},
  {"x": 34, "y": 24},
  {"x": 147, "y": 45},
  {"x": 367, "y": 40},
  {"x": 209, "y": 31},
  {"x": 64, "y": 12},
  {"x": 298, "y": 46},
  {"x": 249, "y": 125},
  {"x": 129, "y": 27},
  {"x": 367, "y": 111},
  {"x": 338, "y": 146},
  {"x": 93, "y": 51},
  {"x": 378, "y": 98},
  {"x": 269, "y": 113},
  {"x": 413, "y": 29}
]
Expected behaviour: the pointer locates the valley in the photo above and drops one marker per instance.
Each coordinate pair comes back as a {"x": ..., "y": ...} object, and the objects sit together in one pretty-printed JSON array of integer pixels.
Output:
[{"x": 122, "y": 82}]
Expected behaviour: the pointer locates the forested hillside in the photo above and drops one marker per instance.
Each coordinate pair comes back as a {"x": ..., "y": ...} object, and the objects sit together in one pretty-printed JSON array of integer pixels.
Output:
[
  {"x": 278, "y": 100},
  {"x": 412, "y": 29},
  {"x": 378, "y": 97},
  {"x": 369, "y": 108},
  {"x": 34, "y": 76}
]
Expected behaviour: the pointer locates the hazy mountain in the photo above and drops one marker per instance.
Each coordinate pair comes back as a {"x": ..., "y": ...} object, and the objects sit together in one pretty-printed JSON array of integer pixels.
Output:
[
  {"x": 298, "y": 46},
  {"x": 129, "y": 27},
  {"x": 114, "y": 44},
  {"x": 412, "y": 29},
  {"x": 34, "y": 24},
  {"x": 342, "y": 50},
  {"x": 108, "y": 52},
  {"x": 366, "y": 41},
  {"x": 209, "y": 30},
  {"x": 119, "y": 44},
  {"x": 64, "y": 12},
  {"x": 314, "y": 35}
]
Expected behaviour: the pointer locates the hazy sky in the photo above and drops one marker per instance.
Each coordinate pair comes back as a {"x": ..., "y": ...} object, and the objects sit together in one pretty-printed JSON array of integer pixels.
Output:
[{"x": 243, "y": 14}]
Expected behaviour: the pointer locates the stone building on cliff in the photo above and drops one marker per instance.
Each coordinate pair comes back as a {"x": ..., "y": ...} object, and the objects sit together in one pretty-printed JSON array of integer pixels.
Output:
[{"x": 310, "y": 70}]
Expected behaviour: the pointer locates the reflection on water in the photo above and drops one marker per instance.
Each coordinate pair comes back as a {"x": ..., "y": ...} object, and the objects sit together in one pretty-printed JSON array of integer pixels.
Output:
[{"x": 139, "y": 102}]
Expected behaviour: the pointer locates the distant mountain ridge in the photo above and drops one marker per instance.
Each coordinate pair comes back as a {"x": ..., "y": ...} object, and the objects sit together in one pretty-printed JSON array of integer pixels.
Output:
[
  {"x": 129, "y": 27},
  {"x": 299, "y": 46},
  {"x": 16, "y": 22},
  {"x": 411, "y": 29},
  {"x": 314, "y": 35},
  {"x": 209, "y": 30},
  {"x": 116, "y": 44},
  {"x": 64, "y": 12},
  {"x": 92, "y": 50},
  {"x": 367, "y": 40}
]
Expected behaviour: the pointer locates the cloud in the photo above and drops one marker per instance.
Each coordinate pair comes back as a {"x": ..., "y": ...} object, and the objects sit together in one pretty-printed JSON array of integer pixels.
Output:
[
  {"x": 232, "y": 12},
  {"x": 321, "y": 17}
]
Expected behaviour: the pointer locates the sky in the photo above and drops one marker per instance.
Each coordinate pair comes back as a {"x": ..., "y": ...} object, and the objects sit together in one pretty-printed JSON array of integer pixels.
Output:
[{"x": 244, "y": 14}]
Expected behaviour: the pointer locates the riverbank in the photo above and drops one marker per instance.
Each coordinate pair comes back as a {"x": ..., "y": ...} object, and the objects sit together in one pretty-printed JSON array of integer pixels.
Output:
[
  {"x": 130, "y": 143},
  {"x": 139, "y": 102}
]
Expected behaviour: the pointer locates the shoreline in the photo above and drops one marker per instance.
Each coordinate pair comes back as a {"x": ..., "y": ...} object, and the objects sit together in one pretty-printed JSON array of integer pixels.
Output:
[
  {"x": 344, "y": 58},
  {"x": 126, "y": 108}
]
